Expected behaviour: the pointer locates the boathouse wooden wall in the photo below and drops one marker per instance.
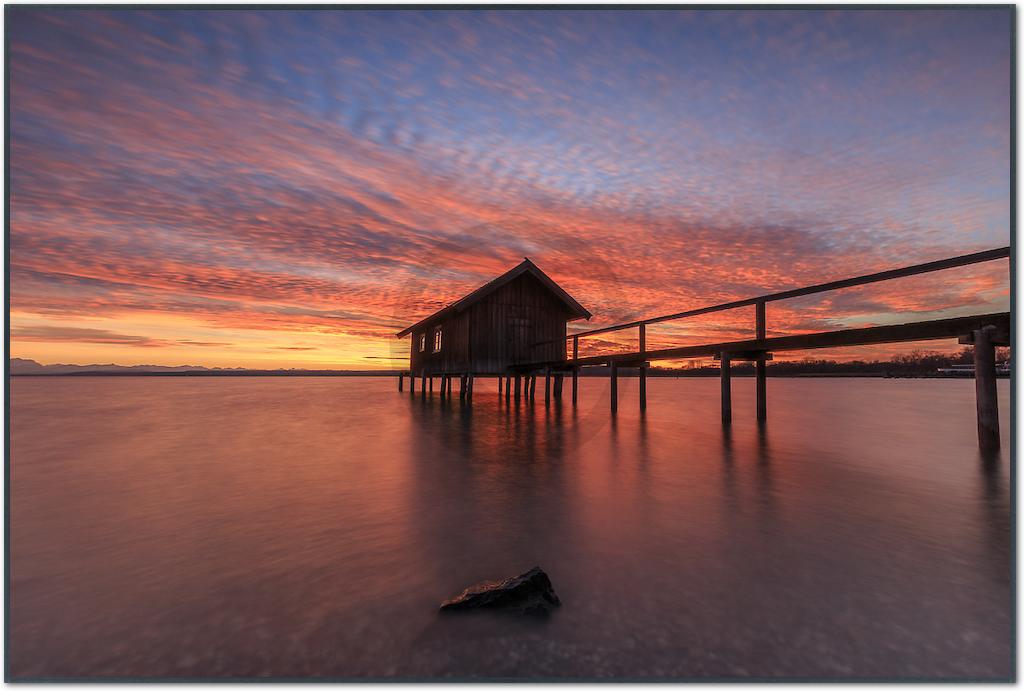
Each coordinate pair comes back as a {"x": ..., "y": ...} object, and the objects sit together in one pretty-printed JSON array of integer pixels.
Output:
[{"x": 519, "y": 323}]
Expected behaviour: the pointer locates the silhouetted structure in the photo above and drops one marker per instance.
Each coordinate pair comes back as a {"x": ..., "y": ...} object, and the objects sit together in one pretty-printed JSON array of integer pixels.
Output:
[
  {"x": 517, "y": 319},
  {"x": 514, "y": 327}
]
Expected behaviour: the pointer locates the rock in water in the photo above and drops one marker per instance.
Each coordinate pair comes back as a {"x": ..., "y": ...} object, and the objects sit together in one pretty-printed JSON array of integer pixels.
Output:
[{"x": 530, "y": 593}]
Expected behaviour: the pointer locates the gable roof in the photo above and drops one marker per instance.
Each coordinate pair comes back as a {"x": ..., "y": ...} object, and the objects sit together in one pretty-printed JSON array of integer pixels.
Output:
[{"x": 526, "y": 266}]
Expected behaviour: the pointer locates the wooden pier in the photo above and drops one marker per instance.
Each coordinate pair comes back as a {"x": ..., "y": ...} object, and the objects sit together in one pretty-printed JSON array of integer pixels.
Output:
[{"x": 982, "y": 331}]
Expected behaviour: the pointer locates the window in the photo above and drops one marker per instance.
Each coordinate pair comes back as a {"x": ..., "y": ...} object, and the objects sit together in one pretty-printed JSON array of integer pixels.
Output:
[
  {"x": 423, "y": 342},
  {"x": 437, "y": 341}
]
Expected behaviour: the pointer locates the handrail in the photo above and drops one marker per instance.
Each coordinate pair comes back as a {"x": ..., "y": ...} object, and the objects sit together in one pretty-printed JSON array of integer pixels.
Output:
[{"x": 927, "y": 267}]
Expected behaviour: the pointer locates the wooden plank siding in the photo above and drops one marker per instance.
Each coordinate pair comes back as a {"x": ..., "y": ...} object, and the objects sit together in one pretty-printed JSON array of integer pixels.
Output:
[{"x": 521, "y": 322}]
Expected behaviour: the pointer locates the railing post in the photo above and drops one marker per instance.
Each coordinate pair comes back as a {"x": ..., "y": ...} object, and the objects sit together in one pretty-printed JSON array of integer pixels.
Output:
[
  {"x": 985, "y": 389},
  {"x": 643, "y": 367},
  {"x": 761, "y": 364},
  {"x": 726, "y": 368}
]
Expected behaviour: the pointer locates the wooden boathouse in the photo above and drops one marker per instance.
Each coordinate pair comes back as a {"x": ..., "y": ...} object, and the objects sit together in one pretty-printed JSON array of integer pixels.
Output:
[
  {"x": 514, "y": 328},
  {"x": 515, "y": 321}
]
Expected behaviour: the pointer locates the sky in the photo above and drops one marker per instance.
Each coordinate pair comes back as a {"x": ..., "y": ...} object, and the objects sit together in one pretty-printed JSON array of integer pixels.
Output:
[{"x": 241, "y": 188}]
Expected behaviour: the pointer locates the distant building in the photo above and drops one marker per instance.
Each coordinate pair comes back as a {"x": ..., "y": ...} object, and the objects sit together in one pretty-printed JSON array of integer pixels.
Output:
[{"x": 518, "y": 318}]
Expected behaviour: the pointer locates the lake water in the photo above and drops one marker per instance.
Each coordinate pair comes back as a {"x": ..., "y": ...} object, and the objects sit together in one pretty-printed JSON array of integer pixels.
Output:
[{"x": 295, "y": 527}]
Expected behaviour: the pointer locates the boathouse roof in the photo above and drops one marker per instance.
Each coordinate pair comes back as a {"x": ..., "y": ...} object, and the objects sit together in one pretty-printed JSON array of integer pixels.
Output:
[{"x": 575, "y": 309}]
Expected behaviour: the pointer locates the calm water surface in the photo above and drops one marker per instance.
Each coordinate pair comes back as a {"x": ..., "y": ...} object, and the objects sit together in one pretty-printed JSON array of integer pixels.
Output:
[{"x": 310, "y": 527}]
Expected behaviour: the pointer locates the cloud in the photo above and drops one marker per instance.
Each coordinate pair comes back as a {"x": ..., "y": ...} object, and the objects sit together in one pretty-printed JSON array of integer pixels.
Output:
[
  {"x": 82, "y": 335},
  {"x": 349, "y": 173}
]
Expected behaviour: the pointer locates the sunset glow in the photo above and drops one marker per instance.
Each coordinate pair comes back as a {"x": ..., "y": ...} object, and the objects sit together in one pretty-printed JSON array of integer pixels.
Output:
[{"x": 291, "y": 188}]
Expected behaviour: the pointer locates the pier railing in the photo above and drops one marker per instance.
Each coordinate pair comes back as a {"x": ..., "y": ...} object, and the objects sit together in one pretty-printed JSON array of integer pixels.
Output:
[{"x": 759, "y": 302}]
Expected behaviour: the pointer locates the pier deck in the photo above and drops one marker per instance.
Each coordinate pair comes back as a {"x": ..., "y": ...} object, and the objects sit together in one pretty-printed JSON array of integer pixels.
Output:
[{"x": 871, "y": 335}]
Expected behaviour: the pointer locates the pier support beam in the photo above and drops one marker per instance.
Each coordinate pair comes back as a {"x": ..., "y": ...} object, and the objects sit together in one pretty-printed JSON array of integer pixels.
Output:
[
  {"x": 547, "y": 386},
  {"x": 643, "y": 386},
  {"x": 518, "y": 386},
  {"x": 431, "y": 383},
  {"x": 469, "y": 387},
  {"x": 401, "y": 379},
  {"x": 508, "y": 388},
  {"x": 643, "y": 367},
  {"x": 615, "y": 386},
  {"x": 559, "y": 378},
  {"x": 412, "y": 383},
  {"x": 533, "y": 387},
  {"x": 761, "y": 365},
  {"x": 726, "y": 369},
  {"x": 575, "y": 369},
  {"x": 423, "y": 385},
  {"x": 985, "y": 389},
  {"x": 499, "y": 385}
]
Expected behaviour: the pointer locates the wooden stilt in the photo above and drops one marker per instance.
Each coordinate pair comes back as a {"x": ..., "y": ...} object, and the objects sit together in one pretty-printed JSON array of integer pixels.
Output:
[
  {"x": 401, "y": 379},
  {"x": 643, "y": 367},
  {"x": 761, "y": 365},
  {"x": 547, "y": 386},
  {"x": 643, "y": 386},
  {"x": 469, "y": 387},
  {"x": 533, "y": 386},
  {"x": 412, "y": 383},
  {"x": 559, "y": 379},
  {"x": 615, "y": 386},
  {"x": 575, "y": 369},
  {"x": 518, "y": 386},
  {"x": 431, "y": 383},
  {"x": 423, "y": 385},
  {"x": 985, "y": 389},
  {"x": 499, "y": 385},
  {"x": 726, "y": 370},
  {"x": 508, "y": 388}
]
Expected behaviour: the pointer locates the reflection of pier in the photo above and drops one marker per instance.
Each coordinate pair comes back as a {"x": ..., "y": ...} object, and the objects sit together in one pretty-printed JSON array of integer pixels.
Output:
[{"x": 984, "y": 332}]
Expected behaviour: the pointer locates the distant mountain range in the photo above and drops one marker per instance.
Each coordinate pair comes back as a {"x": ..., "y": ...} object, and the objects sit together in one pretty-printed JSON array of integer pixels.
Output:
[{"x": 26, "y": 367}]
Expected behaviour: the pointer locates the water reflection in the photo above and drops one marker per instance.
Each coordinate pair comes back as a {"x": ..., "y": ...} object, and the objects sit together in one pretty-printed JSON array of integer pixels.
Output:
[{"x": 225, "y": 527}]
